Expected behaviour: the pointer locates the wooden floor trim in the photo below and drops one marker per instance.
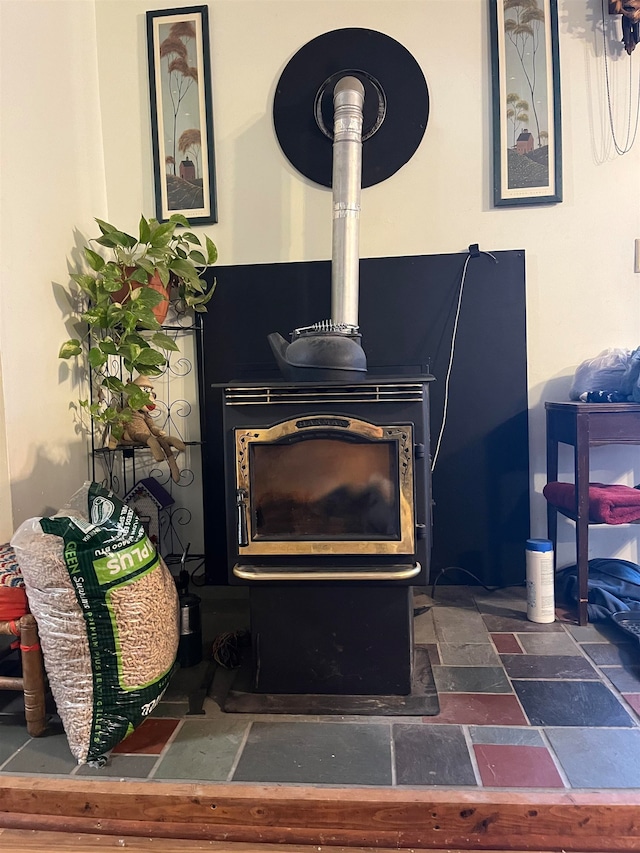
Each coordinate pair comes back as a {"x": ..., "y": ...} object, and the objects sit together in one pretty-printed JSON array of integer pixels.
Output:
[
  {"x": 34, "y": 841},
  {"x": 576, "y": 822}
]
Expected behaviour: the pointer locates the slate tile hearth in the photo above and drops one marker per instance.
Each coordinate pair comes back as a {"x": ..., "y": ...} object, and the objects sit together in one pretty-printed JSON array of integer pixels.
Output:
[
  {"x": 479, "y": 709},
  {"x": 548, "y": 666},
  {"x": 317, "y": 753},
  {"x": 430, "y": 756},
  {"x": 508, "y": 766},
  {"x": 571, "y": 703},
  {"x": 522, "y": 706}
]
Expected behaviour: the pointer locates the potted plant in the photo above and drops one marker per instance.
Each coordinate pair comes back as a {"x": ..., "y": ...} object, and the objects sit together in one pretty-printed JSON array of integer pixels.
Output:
[{"x": 122, "y": 324}]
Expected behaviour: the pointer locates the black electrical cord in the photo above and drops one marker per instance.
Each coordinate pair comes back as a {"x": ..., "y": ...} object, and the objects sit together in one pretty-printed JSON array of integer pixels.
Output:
[
  {"x": 471, "y": 575},
  {"x": 196, "y": 579},
  {"x": 194, "y": 576},
  {"x": 474, "y": 252},
  {"x": 227, "y": 648}
]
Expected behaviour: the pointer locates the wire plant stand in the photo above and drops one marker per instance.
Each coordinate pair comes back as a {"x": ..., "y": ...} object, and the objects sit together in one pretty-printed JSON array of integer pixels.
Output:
[{"x": 120, "y": 468}]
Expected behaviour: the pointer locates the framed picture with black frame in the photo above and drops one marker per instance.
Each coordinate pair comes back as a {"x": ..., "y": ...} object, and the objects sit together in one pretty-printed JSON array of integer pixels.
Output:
[
  {"x": 527, "y": 150},
  {"x": 182, "y": 113}
]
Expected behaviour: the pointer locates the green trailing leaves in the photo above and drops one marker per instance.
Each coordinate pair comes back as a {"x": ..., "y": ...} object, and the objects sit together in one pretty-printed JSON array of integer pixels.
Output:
[
  {"x": 124, "y": 337},
  {"x": 141, "y": 275},
  {"x": 149, "y": 356},
  {"x": 86, "y": 283},
  {"x": 108, "y": 347},
  {"x": 144, "y": 231},
  {"x": 147, "y": 296},
  {"x": 130, "y": 351},
  {"x": 96, "y": 317},
  {"x": 70, "y": 348},
  {"x": 114, "y": 383},
  {"x": 95, "y": 261},
  {"x": 96, "y": 358},
  {"x": 179, "y": 219},
  {"x": 165, "y": 342},
  {"x": 136, "y": 397},
  {"x": 161, "y": 234},
  {"x": 212, "y": 251},
  {"x": 183, "y": 269}
]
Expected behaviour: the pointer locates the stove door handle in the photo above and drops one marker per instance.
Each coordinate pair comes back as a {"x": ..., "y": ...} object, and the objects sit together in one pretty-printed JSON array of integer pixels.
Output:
[{"x": 241, "y": 505}]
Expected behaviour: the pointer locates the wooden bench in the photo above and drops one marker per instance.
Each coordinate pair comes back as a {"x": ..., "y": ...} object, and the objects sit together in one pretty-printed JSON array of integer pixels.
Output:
[{"x": 32, "y": 683}]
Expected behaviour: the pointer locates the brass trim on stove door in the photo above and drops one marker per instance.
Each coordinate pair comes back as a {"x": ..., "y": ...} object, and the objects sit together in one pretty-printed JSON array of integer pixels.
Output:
[{"x": 402, "y": 435}]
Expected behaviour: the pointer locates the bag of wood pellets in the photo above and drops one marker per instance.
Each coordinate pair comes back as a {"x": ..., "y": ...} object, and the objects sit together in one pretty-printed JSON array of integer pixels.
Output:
[{"x": 107, "y": 612}]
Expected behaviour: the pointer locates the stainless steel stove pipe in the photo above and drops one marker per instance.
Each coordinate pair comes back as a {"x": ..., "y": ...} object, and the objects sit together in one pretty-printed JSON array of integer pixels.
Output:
[{"x": 348, "y": 102}]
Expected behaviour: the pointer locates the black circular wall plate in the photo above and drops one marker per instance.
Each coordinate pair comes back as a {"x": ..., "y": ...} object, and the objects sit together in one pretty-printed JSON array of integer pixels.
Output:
[{"x": 396, "y": 107}]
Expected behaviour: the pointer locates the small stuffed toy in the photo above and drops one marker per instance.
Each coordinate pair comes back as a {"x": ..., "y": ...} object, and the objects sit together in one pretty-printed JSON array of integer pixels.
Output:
[{"x": 142, "y": 429}]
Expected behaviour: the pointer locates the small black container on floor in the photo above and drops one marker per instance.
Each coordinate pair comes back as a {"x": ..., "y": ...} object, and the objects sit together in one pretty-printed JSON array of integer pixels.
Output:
[{"x": 190, "y": 644}]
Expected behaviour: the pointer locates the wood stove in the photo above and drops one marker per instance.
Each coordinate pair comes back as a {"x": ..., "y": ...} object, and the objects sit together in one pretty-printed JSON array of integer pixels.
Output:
[
  {"x": 330, "y": 482},
  {"x": 332, "y": 528},
  {"x": 327, "y": 471}
]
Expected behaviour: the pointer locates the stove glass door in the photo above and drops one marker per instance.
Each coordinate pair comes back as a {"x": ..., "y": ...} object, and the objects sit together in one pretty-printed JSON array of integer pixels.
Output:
[{"x": 325, "y": 486}]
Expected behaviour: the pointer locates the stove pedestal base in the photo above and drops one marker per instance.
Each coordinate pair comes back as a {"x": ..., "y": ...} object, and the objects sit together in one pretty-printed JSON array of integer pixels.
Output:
[
  {"x": 422, "y": 701},
  {"x": 337, "y": 639}
]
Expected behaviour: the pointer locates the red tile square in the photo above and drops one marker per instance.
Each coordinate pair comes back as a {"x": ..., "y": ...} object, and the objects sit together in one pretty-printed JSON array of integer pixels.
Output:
[
  {"x": 149, "y": 738},
  {"x": 507, "y": 644},
  {"x": 510, "y": 766},
  {"x": 633, "y": 699},
  {"x": 479, "y": 709}
]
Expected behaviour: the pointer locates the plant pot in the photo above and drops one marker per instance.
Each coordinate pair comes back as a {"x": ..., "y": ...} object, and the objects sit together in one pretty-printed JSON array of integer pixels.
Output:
[{"x": 160, "y": 310}]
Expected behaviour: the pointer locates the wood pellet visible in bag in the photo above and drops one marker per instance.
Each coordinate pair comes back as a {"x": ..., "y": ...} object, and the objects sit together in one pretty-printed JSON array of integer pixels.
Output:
[{"x": 107, "y": 612}]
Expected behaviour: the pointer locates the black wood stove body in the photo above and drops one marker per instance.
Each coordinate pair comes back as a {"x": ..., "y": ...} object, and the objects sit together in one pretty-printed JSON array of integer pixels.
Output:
[
  {"x": 329, "y": 522},
  {"x": 327, "y": 473}
]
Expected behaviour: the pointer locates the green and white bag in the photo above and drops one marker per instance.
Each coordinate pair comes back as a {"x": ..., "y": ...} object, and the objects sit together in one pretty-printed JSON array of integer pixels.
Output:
[{"x": 107, "y": 612}]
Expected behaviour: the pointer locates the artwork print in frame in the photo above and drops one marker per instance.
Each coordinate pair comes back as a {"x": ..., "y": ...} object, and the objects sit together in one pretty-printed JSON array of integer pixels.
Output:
[
  {"x": 181, "y": 113},
  {"x": 527, "y": 152}
]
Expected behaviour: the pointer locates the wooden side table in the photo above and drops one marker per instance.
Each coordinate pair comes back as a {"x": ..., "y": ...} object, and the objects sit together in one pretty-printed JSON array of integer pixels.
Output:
[{"x": 583, "y": 426}]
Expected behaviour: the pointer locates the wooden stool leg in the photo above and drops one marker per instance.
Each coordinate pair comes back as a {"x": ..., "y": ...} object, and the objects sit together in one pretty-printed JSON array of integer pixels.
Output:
[
  {"x": 582, "y": 517},
  {"x": 32, "y": 676},
  {"x": 552, "y": 476},
  {"x": 552, "y": 529}
]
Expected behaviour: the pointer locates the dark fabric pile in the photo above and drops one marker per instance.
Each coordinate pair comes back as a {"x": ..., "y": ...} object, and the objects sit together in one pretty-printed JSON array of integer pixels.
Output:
[{"x": 613, "y": 586}]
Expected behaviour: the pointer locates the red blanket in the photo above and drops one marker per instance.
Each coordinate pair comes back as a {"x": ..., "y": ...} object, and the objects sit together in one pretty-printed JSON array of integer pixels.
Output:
[
  {"x": 13, "y": 603},
  {"x": 608, "y": 504}
]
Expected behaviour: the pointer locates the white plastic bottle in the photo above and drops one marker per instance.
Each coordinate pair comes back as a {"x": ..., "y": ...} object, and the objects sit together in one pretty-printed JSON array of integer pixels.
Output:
[{"x": 541, "y": 606}]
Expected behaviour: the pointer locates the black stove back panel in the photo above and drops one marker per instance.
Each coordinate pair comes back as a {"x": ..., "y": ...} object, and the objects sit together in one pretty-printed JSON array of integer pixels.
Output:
[{"x": 407, "y": 308}]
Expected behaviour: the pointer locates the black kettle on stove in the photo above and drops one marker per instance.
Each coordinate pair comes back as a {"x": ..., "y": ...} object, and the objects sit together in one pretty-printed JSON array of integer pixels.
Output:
[{"x": 325, "y": 352}]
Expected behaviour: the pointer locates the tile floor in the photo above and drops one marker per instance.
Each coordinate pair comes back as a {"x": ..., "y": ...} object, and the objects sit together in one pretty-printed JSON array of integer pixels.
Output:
[{"x": 522, "y": 706}]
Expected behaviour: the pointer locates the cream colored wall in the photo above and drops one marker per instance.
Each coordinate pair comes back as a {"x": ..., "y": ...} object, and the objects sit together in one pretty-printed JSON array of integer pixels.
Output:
[
  {"x": 582, "y": 292},
  {"x": 52, "y": 183},
  {"x": 6, "y": 508}
]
